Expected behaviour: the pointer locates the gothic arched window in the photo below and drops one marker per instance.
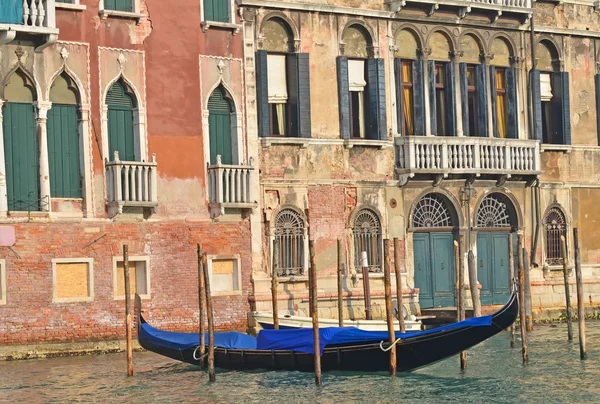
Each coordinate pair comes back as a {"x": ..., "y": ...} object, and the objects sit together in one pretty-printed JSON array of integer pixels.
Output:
[
  {"x": 555, "y": 226},
  {"x": 367, "y": 237},
  {"x": 289, "y": 233}
]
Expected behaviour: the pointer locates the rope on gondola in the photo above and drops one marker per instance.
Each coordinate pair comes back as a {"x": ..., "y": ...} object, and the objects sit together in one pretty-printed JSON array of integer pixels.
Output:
[
  {"x": 389, "y": 347},
  {"x": 201, "y": 357}
]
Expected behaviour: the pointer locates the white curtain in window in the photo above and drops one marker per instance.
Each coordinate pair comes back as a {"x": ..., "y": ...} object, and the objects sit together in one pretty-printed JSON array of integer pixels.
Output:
[
  {"x": 277, "y": 78},
  {"x": 356, "y": 75},
  {"x": 280, "y": 118},
  {"x": 546, "y": 86},
  {"x": 361, "y": 113}
]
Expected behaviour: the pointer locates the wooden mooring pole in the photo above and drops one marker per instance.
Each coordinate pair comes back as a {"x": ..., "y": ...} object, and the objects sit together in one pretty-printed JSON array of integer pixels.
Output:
[
  {"x": 563, "y": 252},
  {"x": 274, "y": 273},
  {"x": 522, "y": 314},
  {"x": 399, "y": 296},
  {"x": 366, "y": 285},
  {"x": 312, "y": 282},
  {"x": 580, "y": 301},
  {"x": 473, "y": 285},
  {"x": 340, "y": 288},
  {"x": 511, "y": 276},
  {"x": 127, "y": 311},
  {"x": 211, "y": 323},
  {"x": 528, "y": 311},
  {"x": 460, "y": 299},
  {"x": 202, "y": 329},
  {"x": 387, "y": 283}
]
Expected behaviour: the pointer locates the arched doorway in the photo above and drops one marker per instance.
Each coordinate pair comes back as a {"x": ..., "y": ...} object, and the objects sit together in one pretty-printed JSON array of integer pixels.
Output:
[
  {"x": 496, "y": 218},
  {"x": 434, "y": 222},
  {"x": 219, "y": 126}
]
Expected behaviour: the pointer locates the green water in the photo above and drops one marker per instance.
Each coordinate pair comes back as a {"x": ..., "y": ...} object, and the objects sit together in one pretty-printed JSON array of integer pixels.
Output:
[{"x": 495, "y": 374}]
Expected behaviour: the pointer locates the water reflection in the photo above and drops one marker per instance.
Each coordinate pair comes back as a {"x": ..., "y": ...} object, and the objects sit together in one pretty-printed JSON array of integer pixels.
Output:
[{"x": 495, "y": 374}]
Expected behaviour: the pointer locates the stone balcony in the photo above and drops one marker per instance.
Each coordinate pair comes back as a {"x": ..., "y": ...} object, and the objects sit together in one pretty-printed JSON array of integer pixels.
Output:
[
  {"x": 467, "y": 156},
  {"x": 131, "y": 184},
  {"x": 28, "y": 20},
  {"x": 230, "y": 187}
]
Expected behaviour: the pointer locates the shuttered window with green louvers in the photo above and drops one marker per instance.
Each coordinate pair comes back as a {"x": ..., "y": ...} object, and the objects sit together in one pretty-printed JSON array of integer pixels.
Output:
[
  {"x": 216, "y": 10},
  {"x": 119, "y": 5},
  {"x": 219, "y": 126},
  {"x": 121, "y": 107}
]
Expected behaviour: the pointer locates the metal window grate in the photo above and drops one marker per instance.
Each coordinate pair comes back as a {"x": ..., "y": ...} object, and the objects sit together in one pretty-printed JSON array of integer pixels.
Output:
[
  {"x": 367, "y": 237},
  {"x": 556, "y": 226},
  {"x": 29, "y": 205},
  {"x": 431, "y": 211},
  {"x": 493, "y": 212},
  {"x": 289, "y": 233}
]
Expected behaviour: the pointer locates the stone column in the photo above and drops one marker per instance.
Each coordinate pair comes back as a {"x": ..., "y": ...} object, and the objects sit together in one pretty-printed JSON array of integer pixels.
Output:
[
  {"x": 42, "y": 119},
  {"x": 486, "y": 59},
  {"x": 425, "y": 52},
  {"x": 456, "y": 58},
  {"x": 3, "y": 197},
  {"x": 85, "y": 163}
]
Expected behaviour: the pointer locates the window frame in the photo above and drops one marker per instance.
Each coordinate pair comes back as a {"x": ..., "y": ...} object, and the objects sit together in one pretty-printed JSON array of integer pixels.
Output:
[
  {"x": 133, "y": 258},
  {"x": 73, "y": 5},
  {"x": 501, "y": 94},
  {"x": 135, "y": 12},
  {"x": 555, "y": 261},
  {"x": 376, "y": 243},
  {"x": 473, "y": 97},
  {"x": 90, "y": 276},
  {"x": 287, "y": 112},
  {"x": 302, "y": 258},
  {"x": 410, "y": 86},
  {"x": 237, "y": 273},
  {"x": 365, "y": 110},
  {"x": 230, "y": 24},
  {"x": 441, "y": 109}
]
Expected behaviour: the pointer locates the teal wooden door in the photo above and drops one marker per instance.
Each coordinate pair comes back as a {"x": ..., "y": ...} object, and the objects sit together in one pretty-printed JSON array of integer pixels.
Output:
[
  {"x": 63, "y": 151},
  {"x": 434, "y": 268},
  {"x": 423, "y": 278},
  {"x": 120, "y": 123},
  {"x": 11, "y": 12},
  {"x": 21, "y": 156},
  {"x": 219, "y": 126},
  {"x": 492, "y": 267}
]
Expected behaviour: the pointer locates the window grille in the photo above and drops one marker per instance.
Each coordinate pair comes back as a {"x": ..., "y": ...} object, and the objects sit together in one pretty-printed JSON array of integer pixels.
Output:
[
  {"x": 431, "y": 211},
  {"x": 367, "y": 237},
  {"x": 289, "y": 233},
  {"x": 493, "y": 212},
  {"x": 556, "y": 226}
]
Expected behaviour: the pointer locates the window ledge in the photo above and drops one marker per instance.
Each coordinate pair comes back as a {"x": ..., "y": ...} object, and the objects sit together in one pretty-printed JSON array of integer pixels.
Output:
[
  {"x": 555, "y": 148},
  {"x": 70, "y": 7},
  {"x": 305, "y": 142},
  {"x": 380, "y": 144},
  {"x": 547, "y": 267},
  {"x": 292, "y": 278},
  {"x": 268, "y": 141},
  {"x": 104, "y": 14},
  {"x": 227, "y": 25},
  {"x": 227, "y": 293}
]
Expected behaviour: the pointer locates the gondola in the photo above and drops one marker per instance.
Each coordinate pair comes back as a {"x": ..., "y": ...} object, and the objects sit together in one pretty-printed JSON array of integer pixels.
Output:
[{"x": 342, "y": 348}]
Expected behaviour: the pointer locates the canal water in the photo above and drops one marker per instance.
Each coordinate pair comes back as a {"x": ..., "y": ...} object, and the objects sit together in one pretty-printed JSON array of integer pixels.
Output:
[{"x": 495, "y": 374}]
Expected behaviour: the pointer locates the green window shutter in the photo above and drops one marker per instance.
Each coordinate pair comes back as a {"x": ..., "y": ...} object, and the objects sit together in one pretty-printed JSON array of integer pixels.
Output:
[
  {"x": 398, "y": 87},
  {"x": 216, "y": 10},
  {"x": 219, "y": 126},
  {"x": 562, "y": 108},
  {"x": 432, "y": 104},
  {"x": 21, "y": 157},
  {"x": 11, "y": 12},
  {"x": 493, "y": 99},
  {"x": 64, "y": 1},
  {"x": 537, "y": 104},
  {"x": 343, "y": 96},
  {"x": 450, "y": 100},
  {"x": 464, "y": 98},
  {"x": 376, "y": 90},
  {"x": 63, "y": 151},
  {"x": 120, "y": 122},
  {"x": 298, "y": 75},
  {"x": 482, "y": 102},
  {"x": 419, "y": 96},
  {"x": 262, "y": 94},
  {"x": 511, "y": 103},
  {"x": 119, "y": 5}
]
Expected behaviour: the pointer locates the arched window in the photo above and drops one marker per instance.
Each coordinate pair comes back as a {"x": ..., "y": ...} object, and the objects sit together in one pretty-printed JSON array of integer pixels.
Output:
[
  {"x": 555, "y": 226},
  {"x": 289, "y": 233},
  {"x": 472, "y": 80},
  {"x": 496, "y": 210},
  {"x": 442, "y": 104},
  {"x": 21, "y": 147},
  {"x": 408, "y": 70},
  {"x": 219, "y": 124},
  {"x": 433, "y": 211},
  {"x": 355, "y": 47},
  {"x": 503, "y": 85},
  {"x": 63, "y": 140},
  {"x": 121, "y": 105},
  {"x": 367, "y": 237}
]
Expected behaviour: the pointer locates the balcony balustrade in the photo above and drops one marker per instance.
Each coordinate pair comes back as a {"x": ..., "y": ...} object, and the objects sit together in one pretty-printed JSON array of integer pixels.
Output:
[
  {"x": 131, "y": 183},
  {"x": 230, "y": 187},
  {"x": 466, "y": 155}
]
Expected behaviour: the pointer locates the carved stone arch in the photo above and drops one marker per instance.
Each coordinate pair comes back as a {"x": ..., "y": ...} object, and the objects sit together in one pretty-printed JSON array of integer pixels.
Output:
[
  {"x": 451, "y": 201},
  {"x": 287, "y": 23},
  {"x": 505, "y": 196},
  {"x": 368, "y": 32},
  {"x": 555, "y": 50},
  {"x": 477, "y": 37},
  {"x": 30, "y": 81},
  {"x": 499, "y": 59},
  {"x": 83, "y": 99},
  {"x": 556, "y": 205},
  {"x": 512, "y": 47},
  {"x": 228, "y": 94},
  {"x": 414, "y": 31},
  {"x": 364, "y": 206},
  {"x": 447, "y": 34},
  {"x": 282, "y": 208},
  {"x": 129, "y": 86}
]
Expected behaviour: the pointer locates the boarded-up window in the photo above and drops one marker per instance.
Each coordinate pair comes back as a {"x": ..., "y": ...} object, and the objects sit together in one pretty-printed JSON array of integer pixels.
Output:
[
  {"x": 224, "y": 275},
  {"x": 72, "y": 280},
  {"x": 139, "y": 277}
]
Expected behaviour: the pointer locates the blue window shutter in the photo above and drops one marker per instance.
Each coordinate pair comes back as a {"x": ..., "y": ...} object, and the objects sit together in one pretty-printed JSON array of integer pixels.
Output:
[
  {"x": 11, "y": 12},
  {"x": 298, "y": 77},
  {"x": 537, "y": 104},
  {"x": 419, "y": 97},
  {"x": 432, "y": 106},
  {"x": 464, "y": 97},
  {"x": 398, "y": 86},
  {"x": 343, "y": 96},
  {"x": 597, "y": 81},
  {"x": 511, "y": 103},
  {"x": 262, "y": 93},
  {"x": 562, "y": 106},
  {"x": 291, "y": 65},
  {"x": 482, "y": 116},
  {"x": 493, "y": 99},
  {"x": 376, "y": 89},
  {"x": 450, "y": 100}
]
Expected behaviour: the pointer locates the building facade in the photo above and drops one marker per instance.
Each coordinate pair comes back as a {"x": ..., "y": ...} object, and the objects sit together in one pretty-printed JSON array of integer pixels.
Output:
[{"x": 112, "y": 115}]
